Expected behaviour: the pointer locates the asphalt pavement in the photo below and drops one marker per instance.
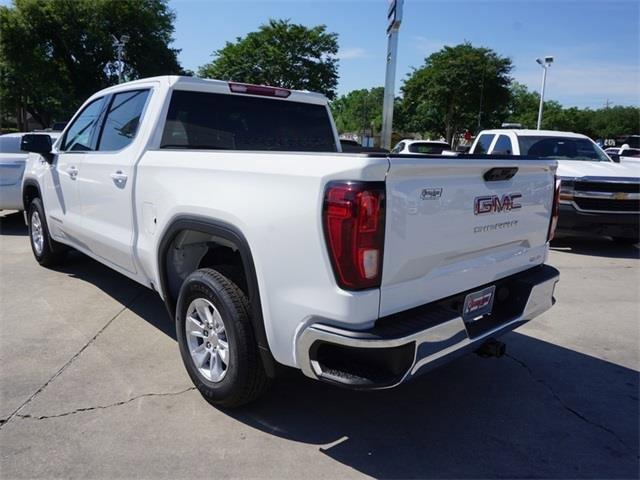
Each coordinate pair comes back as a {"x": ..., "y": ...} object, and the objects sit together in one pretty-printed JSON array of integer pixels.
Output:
[{"x": 92, "y": 386}]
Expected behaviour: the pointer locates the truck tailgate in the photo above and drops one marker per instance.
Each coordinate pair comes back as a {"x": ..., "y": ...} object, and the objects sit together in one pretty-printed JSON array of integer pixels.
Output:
[{"x": 448, "y": 229}]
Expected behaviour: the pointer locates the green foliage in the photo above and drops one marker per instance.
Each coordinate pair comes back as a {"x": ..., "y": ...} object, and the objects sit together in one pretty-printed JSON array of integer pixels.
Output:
[
  {"x": 359, "y": 110},
  {"x": 446, "y": 94},
  {"x": 280, "y": 54},
  {"x": 610, "y": 122},
  {"x": 56, "y": 53},
  {"x": 602, "y": 123}
]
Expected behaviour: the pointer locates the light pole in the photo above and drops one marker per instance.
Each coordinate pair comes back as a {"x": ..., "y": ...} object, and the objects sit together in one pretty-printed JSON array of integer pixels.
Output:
[
  {"x": 545, "y": 63},
  {"x": 119, "y": 44}
]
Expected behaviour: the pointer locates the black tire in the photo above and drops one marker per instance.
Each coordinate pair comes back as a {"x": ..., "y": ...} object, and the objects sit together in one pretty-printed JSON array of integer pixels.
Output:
[
  {"x": 51, "y": 253},
  {"x": 625, "y": 241},
  {"x": 245, "y": 379}
]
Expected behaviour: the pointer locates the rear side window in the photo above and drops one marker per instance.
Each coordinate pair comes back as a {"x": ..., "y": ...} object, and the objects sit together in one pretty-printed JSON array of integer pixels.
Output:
[
  {"x": 428, "y": 148},
  {"x": 80, "y": 134},
  {"x": 503, "y": 146},
  {"x": 484, "y": 142},
  {"x": 203, "y": 120},
  {"x": 122, "y": 119}
]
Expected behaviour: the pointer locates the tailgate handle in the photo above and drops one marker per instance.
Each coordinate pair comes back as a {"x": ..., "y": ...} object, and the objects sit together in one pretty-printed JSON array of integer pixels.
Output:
[{"x": 500, "y": 173}]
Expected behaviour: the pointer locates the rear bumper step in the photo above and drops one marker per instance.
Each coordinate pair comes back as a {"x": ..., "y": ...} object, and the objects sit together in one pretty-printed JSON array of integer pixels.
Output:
[{"x": 405, "y": 344}]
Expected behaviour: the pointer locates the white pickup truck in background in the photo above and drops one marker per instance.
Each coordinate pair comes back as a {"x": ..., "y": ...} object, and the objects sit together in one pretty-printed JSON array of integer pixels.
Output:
[
  {"x": 270, "y": 247},
  {"x": 597, "y": 196}
]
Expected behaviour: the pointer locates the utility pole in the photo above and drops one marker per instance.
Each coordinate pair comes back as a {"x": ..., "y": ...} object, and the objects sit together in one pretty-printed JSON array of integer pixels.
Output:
[
  {"x": 394, "y": 18},
  {"x": 119, "y": 44}
]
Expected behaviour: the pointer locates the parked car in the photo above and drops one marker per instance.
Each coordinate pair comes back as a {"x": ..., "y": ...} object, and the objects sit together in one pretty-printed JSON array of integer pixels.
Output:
[
  {"x": 629, "y": 155},
  {"x": 598, "y": 196},
  {"x": 270, "y": 248},
  {"x": 12, "y": 164},
  {"x": 428, "y": 147},
  {"x": 612, "y": 151}
]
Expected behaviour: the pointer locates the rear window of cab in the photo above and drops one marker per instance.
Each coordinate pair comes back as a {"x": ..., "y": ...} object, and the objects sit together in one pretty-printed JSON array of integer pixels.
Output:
[{"x": 201, "y": 120}]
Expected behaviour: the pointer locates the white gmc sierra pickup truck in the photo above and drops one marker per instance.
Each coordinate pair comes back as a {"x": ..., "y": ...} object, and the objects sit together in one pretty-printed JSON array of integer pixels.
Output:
[{"x": 270, "y": 247}]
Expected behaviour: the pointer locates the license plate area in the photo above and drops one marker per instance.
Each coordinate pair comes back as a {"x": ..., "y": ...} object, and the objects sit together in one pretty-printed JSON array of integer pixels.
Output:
[{"x": 478, "y": 304}]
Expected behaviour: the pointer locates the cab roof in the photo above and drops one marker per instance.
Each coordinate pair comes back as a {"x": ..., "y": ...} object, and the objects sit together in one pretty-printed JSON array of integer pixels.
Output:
[
  {"x": 533, "y": 133},
  {"x": 180, "y": 82},
  {"x": 413, "y": 140}
]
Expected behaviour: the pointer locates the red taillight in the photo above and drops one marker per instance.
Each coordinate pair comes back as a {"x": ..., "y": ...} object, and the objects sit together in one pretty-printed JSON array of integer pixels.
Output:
[
  {"x": 555, "y": 211},
  {"x": 353, "y": 217},
  {"x": 259, "y": 90}
]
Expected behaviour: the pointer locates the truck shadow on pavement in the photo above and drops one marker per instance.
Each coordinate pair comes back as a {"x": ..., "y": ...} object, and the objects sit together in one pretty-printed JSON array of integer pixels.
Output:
[
  {"x": 541, "y": 411},
  {"x": 138, "y": 299},
  {"x": 13, "y": 224}
]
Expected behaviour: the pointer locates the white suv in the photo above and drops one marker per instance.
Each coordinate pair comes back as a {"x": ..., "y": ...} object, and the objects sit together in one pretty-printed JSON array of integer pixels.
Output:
[{"x": 425, "y": 147}]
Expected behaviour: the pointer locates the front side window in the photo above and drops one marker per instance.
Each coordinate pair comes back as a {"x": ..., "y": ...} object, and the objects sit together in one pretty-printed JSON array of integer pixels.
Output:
[
  {"x": 483, "y": 144},
  {"x": 503, "y": 146},
  {"x": 398, "y": 148},
  {"x": 562, "y": 148},
  {"x": 200, "y": 120},
  {"x": 122, "y": 120},
  {"x": 80, "y": 134}
]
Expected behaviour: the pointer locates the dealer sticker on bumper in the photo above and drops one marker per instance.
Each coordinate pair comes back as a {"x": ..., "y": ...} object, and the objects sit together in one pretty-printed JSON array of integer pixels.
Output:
[{"x": 478, "y": 303}]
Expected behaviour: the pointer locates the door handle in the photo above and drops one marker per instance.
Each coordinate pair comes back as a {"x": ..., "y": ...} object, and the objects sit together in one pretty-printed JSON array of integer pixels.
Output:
[
  {"x": 119, "y": 178},
  {"x": 73, "y": 172}
]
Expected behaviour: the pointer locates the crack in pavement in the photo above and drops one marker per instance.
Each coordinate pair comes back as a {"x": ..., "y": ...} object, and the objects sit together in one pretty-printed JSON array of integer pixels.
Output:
[
  {"x": 564, "y": 405},
  {"x": 100, "y": 407},
  {"x": 5, "y": 421}
]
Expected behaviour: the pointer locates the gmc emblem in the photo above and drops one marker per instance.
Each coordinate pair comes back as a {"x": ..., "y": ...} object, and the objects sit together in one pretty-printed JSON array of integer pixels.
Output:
[{"x": 496, "y": 204}]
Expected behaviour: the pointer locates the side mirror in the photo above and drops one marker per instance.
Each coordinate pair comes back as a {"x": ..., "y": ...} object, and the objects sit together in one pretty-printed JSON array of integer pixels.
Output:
[
  {"x": 615, "y": 157},
  {"x": 37, "y": 143}
]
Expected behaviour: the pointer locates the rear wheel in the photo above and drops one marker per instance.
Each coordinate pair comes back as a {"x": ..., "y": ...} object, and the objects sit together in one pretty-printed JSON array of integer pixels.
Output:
[
  {"x": 47, "y": 251},
  {"x": 216, "y": 340}
]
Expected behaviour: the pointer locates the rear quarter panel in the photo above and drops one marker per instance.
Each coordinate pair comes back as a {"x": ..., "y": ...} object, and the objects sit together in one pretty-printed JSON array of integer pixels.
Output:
[{"x": 275, "y": 200}]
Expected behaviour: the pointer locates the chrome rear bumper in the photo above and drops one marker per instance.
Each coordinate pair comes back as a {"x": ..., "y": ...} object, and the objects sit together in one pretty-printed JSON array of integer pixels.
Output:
[{"x": 400, "y": 346}]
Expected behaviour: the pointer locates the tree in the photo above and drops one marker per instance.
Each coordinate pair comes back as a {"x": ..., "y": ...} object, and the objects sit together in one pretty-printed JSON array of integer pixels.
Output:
[
  {"x": 458, "y": 88},
  {"x": 359, "y": 110},
  {"x": 281, "y": 54},
  {"x": 56, "y": 53},
  {"x": 615, "y": 121},
  {"x": 602, "y": 123}
]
